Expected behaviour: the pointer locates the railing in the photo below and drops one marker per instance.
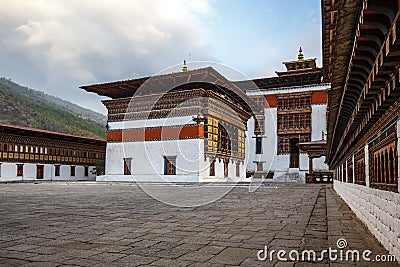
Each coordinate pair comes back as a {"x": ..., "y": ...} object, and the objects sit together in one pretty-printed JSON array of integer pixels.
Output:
[{"x": 319, "y": 177}]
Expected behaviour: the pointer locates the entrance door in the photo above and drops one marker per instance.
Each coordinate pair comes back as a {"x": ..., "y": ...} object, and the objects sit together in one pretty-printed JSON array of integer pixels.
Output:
[
  {"x": 39, "y": 171},
  {"x": 294, "y": 153}
]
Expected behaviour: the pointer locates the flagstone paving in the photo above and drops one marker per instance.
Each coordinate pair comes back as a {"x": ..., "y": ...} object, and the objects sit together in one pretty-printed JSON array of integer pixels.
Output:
[{"x": 87, "y": 224}]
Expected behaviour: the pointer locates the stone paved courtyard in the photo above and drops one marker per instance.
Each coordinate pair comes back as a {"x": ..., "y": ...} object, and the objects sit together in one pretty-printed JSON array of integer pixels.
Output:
[{"x": 87, "y": 224}]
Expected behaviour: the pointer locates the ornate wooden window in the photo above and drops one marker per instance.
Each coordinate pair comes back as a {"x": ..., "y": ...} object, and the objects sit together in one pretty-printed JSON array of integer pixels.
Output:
[
  {"x": 293, "y": 121},
  {"x": 259, "y": 123},
  {"x": 359, "y": 171},
  {"x": 259, "y": 100},
  {"x": 241, "y": 143},
  {"x": 350, "y": 171},
  {"x": 127, "y": 166},
  {"x": 224, "y": 144},
  {"x": 212, "y": 134},
  {"x": 296, "y": 121},
  {"x": 224, "y": 138},
  {"x": 383, "y": 161},
  {"x": 293, "y": 102},
  {"x": 284, "y": 146},
  {"x": 170, "y": 165}
]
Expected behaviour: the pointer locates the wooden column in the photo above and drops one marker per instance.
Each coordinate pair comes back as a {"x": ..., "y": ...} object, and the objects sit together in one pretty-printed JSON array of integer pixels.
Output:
[
  {"x": 366, "y": 163},
  {"x": 398, "y": 155},
  {"x": 354, "y": 170},
  {"x": 310, "y": 165}
]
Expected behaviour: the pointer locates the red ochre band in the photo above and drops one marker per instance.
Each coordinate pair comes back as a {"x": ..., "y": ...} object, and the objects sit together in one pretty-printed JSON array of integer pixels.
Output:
[
  {"x": 317, "y": 97},
  {"x": 155, "y": 134}
]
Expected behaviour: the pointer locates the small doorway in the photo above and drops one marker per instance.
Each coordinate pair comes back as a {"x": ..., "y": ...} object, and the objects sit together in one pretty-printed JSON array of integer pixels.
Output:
[
  {"x": 39, "y": 171},
  {"x": 294, "y": 153}
]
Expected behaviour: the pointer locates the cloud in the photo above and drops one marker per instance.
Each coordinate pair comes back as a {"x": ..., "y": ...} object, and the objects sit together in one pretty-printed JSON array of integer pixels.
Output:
[{"x": 58, "y": 45}]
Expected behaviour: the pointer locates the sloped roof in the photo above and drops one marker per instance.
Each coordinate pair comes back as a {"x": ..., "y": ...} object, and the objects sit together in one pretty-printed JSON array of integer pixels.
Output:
[
  {"x": 171, "y": 82},
  {"x": 297, "y": 79},
  {"x": 33, "y": 132}
]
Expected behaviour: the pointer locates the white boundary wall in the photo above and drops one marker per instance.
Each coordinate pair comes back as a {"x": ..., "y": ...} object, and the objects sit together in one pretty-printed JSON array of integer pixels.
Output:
[
  {"x": 8, "y": 172},
  {"x": 147, "y": 162},
  {"x": 378, "y": 209}
]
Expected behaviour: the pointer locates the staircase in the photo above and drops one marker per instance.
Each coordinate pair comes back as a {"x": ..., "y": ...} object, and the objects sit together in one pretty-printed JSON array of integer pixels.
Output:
[{"x": 291, "y": 177}]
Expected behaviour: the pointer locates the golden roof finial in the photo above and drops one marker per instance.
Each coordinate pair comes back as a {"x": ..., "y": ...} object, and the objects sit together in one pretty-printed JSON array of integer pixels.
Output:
[
  {"x": 300, "y": 56},
  {"x": 184, "y": 68},
  {"x": 323, "y": 135}
]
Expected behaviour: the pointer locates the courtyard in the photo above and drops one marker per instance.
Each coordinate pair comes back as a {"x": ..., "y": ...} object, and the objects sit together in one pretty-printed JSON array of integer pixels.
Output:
[{"x": 103, "y": 224}]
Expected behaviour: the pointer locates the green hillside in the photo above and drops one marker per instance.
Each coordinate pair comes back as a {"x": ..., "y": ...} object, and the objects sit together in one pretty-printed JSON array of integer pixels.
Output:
[{"x": 26, "y": 107}]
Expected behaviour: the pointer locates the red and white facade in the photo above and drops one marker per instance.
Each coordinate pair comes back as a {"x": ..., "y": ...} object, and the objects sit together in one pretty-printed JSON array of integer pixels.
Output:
[
  {"x": 295, "y": 106},
  {"x": 179, "y": 127}
]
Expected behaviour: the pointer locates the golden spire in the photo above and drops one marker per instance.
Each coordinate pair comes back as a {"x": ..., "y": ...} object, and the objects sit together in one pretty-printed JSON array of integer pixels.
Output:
[
  {"x": 300, "y": 56},
  {"x": 184, "y": 68}
]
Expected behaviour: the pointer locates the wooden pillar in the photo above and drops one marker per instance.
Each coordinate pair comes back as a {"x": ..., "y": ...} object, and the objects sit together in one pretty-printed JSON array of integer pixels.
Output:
[
  {"x": 310, "y": 165},
  {"x": 354, "y": 170},
  {"x": 366, "y": 163},
  {"x": 398, "y": 155}
]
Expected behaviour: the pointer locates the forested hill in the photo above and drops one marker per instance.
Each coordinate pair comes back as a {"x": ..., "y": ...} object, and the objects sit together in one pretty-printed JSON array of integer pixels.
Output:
[{"x": 26, "y": 107}]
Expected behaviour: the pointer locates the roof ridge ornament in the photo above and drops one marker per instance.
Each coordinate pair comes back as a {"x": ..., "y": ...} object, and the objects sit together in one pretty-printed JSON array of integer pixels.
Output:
[
  {"x": 300, "y": 55},
  {"x": 184, "y": 68}
]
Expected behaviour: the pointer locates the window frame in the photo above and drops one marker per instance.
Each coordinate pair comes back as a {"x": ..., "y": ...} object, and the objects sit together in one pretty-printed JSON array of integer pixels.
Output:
[
  {"x": 127, "y": 166},
  {"x": 20, "y": 170},
  {"x": 57, "y": 170},
  {"x": 170, "y": 165},
  {"x": 259, "y": 147},
  {"x": 73, "y": 171}
]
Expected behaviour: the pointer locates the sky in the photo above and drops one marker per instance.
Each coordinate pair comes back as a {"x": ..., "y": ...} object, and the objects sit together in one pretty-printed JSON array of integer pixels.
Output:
[{"x": 56, "y": 46}]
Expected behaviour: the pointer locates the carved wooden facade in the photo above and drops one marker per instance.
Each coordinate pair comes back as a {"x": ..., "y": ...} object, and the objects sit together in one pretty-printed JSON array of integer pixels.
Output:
[
  {"x": 30, "y": 154},
  {"x": 24, "y": 145},
  {"x": 361, "y": 47},
  {"x": 294, "y": 120},
  {"x": 383, "y": 160}
]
